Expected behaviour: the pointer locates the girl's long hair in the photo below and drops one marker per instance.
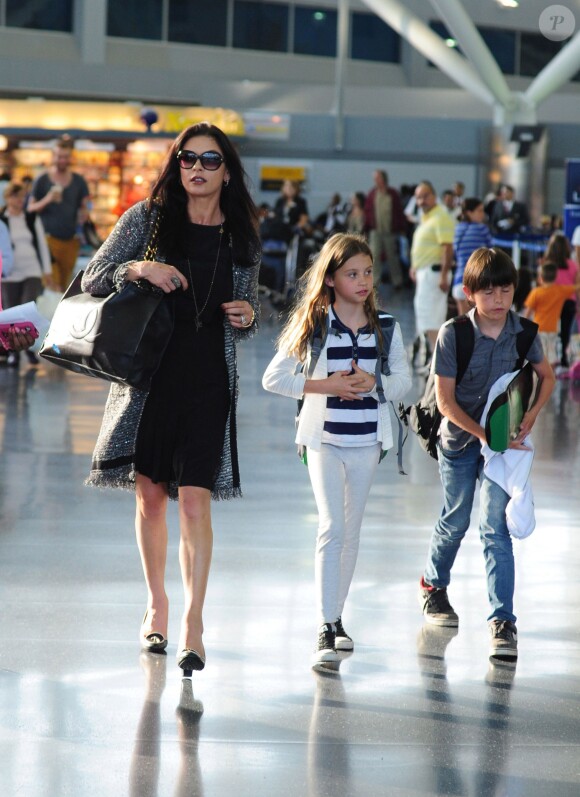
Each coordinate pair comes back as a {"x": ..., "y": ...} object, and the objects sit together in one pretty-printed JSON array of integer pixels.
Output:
[
  {"x": 314, "y": 296},
  {"x": 558, "y": 250},
  {"x": 236, "y": 203}
]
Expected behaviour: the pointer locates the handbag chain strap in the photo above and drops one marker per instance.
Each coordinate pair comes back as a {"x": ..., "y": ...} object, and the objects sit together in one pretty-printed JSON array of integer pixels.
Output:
[{"x": 151, "y": 250}]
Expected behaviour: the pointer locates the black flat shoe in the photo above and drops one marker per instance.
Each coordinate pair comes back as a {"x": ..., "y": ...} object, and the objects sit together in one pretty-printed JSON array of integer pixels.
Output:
[
  {"x": 190, "y": 660},
  {"x": 153, "y": 642}
]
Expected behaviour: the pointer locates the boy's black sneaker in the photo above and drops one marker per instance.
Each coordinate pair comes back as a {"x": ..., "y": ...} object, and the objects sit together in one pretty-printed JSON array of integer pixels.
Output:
[
  {"x": 325, "y": 651},
  {"x": 342, "y": 640},
  {"x": 436, "y": 607},
  {"x": 504, "y": 639}
]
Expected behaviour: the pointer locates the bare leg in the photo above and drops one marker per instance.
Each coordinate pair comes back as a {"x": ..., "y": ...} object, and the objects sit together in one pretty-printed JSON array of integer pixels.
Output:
[
  {"x": 195, "y": 550},
  {"x": 151, "y": 530}
]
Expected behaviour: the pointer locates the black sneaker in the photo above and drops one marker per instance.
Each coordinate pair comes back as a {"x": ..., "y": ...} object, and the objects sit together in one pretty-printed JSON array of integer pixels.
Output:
[
  {"x": 325, "y": 651},
  {"x": 504, "y": 639},
  {"x": 436, "y": 607},
  {"x": 342, "y": 640}
]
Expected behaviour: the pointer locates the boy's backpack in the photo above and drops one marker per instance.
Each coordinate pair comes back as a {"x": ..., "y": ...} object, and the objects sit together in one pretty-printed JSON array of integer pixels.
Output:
[
  {"x": 424, "y": 417},
  {"x": 387, "y": 326}
]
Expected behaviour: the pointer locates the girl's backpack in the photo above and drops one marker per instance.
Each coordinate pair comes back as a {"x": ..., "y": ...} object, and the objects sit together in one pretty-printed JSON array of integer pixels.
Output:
[{"x": 387, "y": 325}]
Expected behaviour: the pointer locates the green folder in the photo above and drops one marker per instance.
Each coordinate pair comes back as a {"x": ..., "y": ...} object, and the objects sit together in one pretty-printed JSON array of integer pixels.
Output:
[{"x": 509, "y": 407}]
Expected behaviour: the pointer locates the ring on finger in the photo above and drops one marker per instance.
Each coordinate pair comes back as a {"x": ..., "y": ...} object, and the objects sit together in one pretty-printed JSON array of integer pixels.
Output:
[
  {"x": 176, "y": 281},
  {"x": 242, "y": 319}
]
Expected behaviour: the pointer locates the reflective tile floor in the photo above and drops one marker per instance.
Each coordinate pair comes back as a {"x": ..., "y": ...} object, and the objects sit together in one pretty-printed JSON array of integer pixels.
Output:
[{"x": 412, "y": 711}]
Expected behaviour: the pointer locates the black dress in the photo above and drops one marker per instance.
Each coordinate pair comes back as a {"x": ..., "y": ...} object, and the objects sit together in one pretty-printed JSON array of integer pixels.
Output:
[{"x": 182, "y": 429}]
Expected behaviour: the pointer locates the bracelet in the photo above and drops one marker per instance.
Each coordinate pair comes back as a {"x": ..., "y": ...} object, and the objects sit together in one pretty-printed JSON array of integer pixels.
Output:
[{"x": 250, "y": 322}]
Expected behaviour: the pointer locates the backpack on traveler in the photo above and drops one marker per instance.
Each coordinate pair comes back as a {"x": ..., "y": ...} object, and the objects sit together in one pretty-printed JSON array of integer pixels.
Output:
[{"x": 423, "y": 417}]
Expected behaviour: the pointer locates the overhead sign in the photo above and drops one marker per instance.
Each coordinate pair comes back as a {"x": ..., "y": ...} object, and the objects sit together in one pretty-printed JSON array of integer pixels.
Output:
[
  {"x": 111, "y": 116},
  {"x": 264, "y": 125}
]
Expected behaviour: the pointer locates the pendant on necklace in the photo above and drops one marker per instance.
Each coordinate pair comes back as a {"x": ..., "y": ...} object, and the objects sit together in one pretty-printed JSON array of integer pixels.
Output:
[{"x": 198, "y": 323}]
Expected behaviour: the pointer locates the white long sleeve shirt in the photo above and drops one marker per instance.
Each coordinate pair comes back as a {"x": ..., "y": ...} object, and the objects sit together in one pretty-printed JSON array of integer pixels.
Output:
[{"x": 284, "y": 376}]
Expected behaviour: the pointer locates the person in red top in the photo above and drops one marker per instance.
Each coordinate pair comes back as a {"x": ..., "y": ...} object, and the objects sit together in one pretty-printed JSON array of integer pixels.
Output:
[
  {"x": 545, "y": 304},
  {"x": 384, "y": 222}
]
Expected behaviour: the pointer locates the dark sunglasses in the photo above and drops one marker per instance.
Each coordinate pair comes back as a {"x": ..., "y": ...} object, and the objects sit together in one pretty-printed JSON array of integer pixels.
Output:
[{"x": 209, "y": 160}]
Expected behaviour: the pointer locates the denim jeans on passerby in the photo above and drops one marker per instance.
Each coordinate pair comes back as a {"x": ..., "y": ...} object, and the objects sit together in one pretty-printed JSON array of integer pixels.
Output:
[{"x": 459, "y": 471}]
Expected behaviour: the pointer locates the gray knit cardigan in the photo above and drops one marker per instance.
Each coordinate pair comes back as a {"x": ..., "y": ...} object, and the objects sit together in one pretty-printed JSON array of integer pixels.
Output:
[{"x": 113, "y": 462}]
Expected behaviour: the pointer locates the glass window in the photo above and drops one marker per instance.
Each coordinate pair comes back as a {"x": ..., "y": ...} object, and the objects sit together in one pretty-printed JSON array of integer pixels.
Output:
[
  {"x": 536, "y": 51},
  {"x": 198, "y": 22},
  {"x": 260, "y": 26},
  {"x": 373, "y": 39},
  {"x": 135, "y": 19},
  {"x": 315, "y": 31},
  {"x": 40, "y": 14},
  {"x": 441, "y": 30},
  {"x": 502, "y": 45}
]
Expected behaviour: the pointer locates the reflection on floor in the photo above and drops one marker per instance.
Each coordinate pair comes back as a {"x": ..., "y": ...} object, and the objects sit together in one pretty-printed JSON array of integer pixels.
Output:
[{"x": 413, "y": 711}]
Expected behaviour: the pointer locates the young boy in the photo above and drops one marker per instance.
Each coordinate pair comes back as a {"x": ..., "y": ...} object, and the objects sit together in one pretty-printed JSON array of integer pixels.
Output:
[
  {"x": 489, "y": 282},
  {"x": 545, "y": 304}
]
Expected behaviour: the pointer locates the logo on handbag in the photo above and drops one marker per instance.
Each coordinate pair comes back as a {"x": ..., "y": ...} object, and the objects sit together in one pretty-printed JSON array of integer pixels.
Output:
[{"x": 82, "y": 327}]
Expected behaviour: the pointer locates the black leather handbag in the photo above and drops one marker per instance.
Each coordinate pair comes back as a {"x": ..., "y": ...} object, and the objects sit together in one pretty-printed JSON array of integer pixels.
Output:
[{"x": 119, "y": 338}]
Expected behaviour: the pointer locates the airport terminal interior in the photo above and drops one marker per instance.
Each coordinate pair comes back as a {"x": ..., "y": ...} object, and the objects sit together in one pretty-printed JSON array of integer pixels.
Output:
[
  {"x": 324, "y": 93},
  {"x": 414, "y": 710}
]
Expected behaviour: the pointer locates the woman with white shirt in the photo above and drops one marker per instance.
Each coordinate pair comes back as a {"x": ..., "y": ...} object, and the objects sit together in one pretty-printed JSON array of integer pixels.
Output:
[{"x": 32, "y": 266}]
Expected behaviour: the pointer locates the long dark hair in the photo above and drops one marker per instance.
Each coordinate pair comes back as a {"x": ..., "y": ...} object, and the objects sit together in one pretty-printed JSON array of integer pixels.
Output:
[
  {"x": 236, "y": 203},
  {"x": 558, "y": 250}
]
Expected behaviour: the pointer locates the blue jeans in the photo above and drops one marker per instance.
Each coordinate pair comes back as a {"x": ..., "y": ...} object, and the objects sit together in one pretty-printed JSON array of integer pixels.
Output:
[{"x": 459, "y": 471}]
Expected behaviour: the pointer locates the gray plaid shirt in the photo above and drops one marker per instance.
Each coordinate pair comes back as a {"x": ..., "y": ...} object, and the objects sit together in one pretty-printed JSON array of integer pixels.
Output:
[{"x": 490, "y": 360}]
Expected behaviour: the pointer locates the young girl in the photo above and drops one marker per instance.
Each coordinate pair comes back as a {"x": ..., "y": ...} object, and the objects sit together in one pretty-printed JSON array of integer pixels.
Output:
[
  {"x": 559, "y": 251},
  {"x": 470, "y": 234},
  {"x": 344, "y": 423}
]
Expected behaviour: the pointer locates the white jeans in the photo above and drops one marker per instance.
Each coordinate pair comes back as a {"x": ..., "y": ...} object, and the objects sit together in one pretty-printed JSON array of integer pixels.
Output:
[
  {"x": 430, "y": 302},
  {"x": 341, "y": 479}
]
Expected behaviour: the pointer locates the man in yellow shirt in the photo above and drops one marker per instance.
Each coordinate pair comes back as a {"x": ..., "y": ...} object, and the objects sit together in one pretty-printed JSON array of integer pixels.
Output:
[{"x": 431, "y": 261}]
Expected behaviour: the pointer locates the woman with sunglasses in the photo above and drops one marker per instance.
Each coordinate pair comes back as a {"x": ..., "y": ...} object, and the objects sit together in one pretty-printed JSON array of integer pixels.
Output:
[{"x": 178, "y": 441}]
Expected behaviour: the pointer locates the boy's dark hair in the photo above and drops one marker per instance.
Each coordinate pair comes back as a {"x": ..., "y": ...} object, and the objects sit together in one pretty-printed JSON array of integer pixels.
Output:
[
  {"x": 489, "y": 268},
  {"x": 548, "y": 272}
]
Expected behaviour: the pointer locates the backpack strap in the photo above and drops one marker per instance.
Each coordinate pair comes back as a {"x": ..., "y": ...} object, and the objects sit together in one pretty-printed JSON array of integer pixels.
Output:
[
  {"x": 464, "y": 343},
  {"x": 387, "y": 325},
  {"x": 317, "y": 344},
  {"x": 524, "y": 339}
]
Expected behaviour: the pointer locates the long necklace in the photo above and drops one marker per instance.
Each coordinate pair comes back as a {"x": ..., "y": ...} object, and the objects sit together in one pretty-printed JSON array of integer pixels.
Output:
[{"x": 198, "y": 312}]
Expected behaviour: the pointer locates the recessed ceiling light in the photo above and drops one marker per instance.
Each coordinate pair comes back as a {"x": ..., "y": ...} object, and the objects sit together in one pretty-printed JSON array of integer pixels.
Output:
[{"x": 508, "y": 3}]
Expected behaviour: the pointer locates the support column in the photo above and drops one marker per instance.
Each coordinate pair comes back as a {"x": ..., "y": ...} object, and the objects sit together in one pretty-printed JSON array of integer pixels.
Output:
[
  {"x": 422, "y": 38},
  {"x": 528, "y": 175},
  {"x": 342, "y": 37},
  {"x": 90, "y": 22},
  {"x": 473, "y": 46}
]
